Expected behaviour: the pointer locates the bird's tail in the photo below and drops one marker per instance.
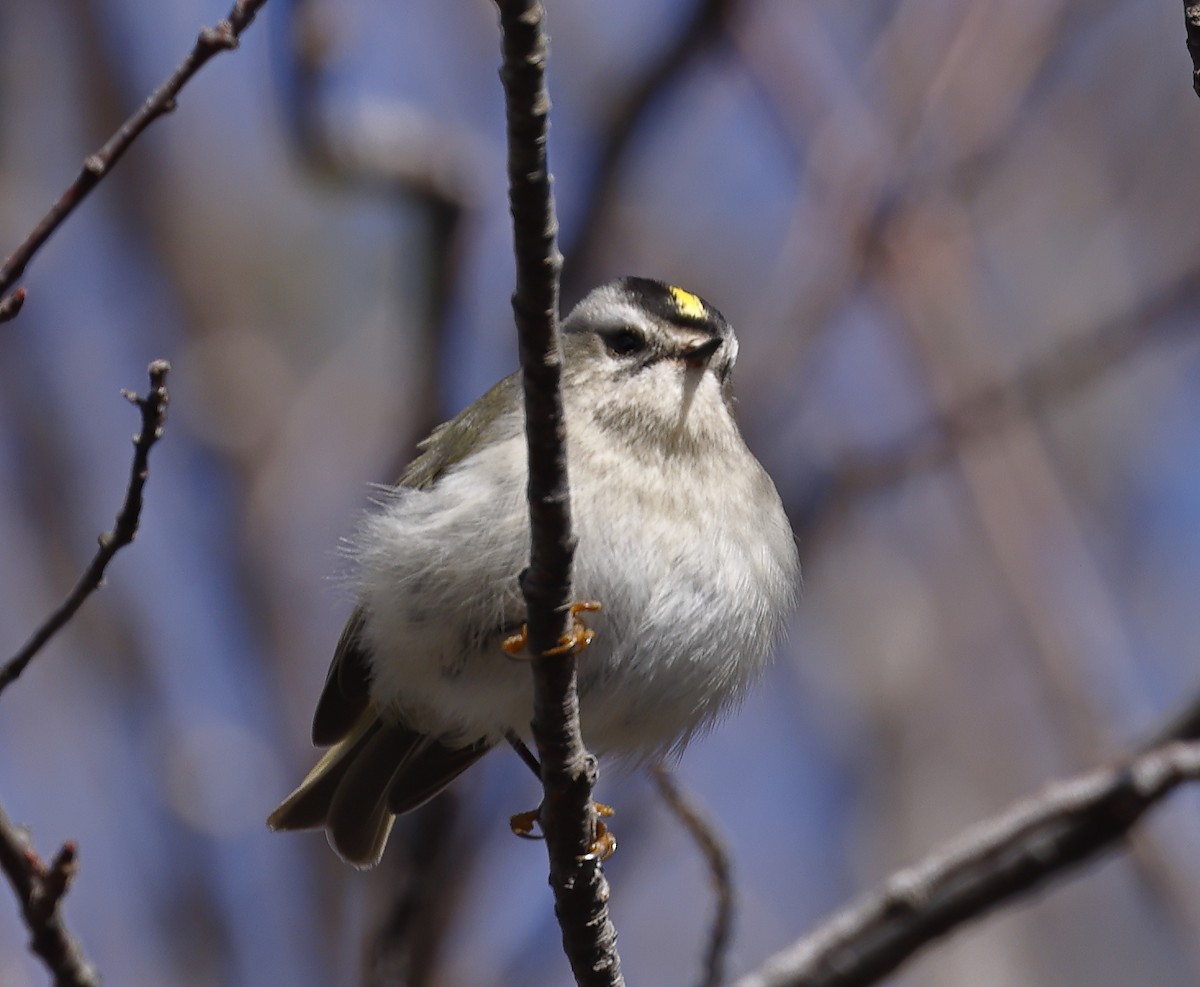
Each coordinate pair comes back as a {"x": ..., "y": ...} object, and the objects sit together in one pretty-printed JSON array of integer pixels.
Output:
[{"x": 364, "y": 781}]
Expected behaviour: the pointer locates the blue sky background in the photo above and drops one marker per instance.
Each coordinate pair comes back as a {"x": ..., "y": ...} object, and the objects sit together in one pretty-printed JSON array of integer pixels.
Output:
[{"x": 895, "y": 205}]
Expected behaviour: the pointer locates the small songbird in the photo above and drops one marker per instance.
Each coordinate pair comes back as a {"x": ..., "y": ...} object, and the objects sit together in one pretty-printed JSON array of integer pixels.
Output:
[{"x": 681, "y": 537}]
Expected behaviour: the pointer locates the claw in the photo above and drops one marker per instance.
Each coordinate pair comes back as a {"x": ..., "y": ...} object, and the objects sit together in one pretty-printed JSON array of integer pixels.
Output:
[
  {"x": 578, "y": 635},
  {"x": 605, "y": 843},
  {"x": 514, "y": 644},
  {"x": 526, "y": 824}
]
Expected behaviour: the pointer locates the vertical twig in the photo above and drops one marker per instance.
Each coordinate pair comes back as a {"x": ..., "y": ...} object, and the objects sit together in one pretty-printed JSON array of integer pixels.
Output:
[
  {"x": 154, "y": 415},
  {"x": 1191, "y": 19},
  {"x": 40, "y": 890},
  {"x": 568, "y": 771}
]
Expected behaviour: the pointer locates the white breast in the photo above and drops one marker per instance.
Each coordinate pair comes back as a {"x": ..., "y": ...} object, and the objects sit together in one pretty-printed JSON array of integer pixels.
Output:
[
  {"x": 695, "y": 567},
  {"x": 697, "y": 570}
]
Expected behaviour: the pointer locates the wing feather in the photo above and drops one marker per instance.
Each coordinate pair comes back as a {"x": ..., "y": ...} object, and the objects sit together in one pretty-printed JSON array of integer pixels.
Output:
[{"x": 375, "y": 769}]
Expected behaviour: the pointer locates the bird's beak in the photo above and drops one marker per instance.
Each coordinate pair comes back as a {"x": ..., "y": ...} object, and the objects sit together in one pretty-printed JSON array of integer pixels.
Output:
[{"x": 697, "y": 355}]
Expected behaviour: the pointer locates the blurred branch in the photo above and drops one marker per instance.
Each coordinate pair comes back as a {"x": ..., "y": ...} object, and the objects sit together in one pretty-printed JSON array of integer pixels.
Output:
[
  {"x": 10, "y": 305},
  {"x": 212, "y": 41},
  {"x": 1064, "y": 371},
  {"x": 1191, "y": 18},
  {"x": 698, "y": 32},
  {"x": 569, "y": 772},
  {"x": 40, "y": 890},
  {"x": 425, "y": 879},
  {"x": 1184, "y": 724},
  {"x": 398, "y": 147},
  {"x": 1039, "y": 838},
  {"x": 706, "y": 838},
  {"x": 395, "y": 150},
  {"x": 154, "y": 414}
]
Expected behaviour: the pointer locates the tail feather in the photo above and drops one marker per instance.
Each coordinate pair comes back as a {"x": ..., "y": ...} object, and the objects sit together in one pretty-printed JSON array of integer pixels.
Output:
[
  {"x": 429, "y": 771},
  {"x": 308, "y": 806},
  {"x": 359, "y": 821},
  {"x": 378, "y": 771}
]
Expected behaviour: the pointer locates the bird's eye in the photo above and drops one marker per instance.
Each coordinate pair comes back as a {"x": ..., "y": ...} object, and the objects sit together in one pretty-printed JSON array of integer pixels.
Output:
[{"x": 623, "y": 342}]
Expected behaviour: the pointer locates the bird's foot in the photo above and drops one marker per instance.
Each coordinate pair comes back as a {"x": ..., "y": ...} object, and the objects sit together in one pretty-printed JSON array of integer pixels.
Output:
[
  {"x": 578, "y": 635},
  {"x": 526, "y": 825}
]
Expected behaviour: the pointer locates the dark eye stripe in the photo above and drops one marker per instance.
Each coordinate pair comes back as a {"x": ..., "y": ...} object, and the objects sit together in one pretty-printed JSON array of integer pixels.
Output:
[{"x": 623, "y": 342}]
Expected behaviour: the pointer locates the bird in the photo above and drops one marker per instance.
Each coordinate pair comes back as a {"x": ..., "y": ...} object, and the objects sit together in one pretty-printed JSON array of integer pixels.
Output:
[{"x": 681, "y": 536}]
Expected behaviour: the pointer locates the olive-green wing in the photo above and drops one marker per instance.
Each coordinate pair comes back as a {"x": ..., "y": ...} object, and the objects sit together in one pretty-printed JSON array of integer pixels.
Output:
[
  {"x": 374, "y": 769},
  {"x": 451, "y": 442},
  {"x": 346, "y": 694},
  {"x": 347, "y": 691}
]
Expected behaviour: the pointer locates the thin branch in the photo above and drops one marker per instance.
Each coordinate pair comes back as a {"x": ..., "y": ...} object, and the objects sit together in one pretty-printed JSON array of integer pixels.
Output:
[
  {"x": 1183, "y": 724},
  {"x": 1191, "y": 18},
  {"x": 10, "y": 305},
  {"x": 1037, "y": 839},
  {"x": 40, "y": 890},
  {"x": 212, "y": 41},
  {"x": 154, "y": 415},
  {"x": 865, "y": 942},
  {"x": 568, "y": 772},
  {"x": 720, "y": 869}
]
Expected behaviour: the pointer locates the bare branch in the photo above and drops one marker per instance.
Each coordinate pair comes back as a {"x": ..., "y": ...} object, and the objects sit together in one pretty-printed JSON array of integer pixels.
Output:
[
  {"x": 568, "y": 772},
  {"x": 1191, "y": 18},
  {"x": 212, "y": 41},
  {"x": 1184, "y": 724},
  {"x": 704, "y": 834},
  {"x": 10, "y": 305},
  {"x": 40, "y": 890},
  {"x": 1039, "y": 838},
  {"x": 154, "y": 415}
]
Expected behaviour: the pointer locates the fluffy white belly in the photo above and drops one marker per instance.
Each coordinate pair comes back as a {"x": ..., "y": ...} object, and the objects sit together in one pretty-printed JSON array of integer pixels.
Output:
[{"x": 690, "y": 611}]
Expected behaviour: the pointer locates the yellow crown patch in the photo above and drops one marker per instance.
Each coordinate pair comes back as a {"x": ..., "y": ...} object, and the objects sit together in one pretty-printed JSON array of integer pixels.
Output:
[{"x": 688, "y": 304}]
